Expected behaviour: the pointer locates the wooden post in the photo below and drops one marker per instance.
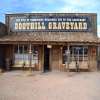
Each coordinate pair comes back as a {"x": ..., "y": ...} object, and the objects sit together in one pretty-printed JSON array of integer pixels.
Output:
[
  {"x": 18, "y": 49},
  {"x": 30, "y": 57},
  {"x": 83, "y": 54},
  {"x": 78, "y": 56},
  {"x": 23, "y": 57},
  {"x": 50, "y": 59},
  {"x": 43, "y": 59},
  {"x": 68, "y": 58},
  {"x": 61, "y": 63}
]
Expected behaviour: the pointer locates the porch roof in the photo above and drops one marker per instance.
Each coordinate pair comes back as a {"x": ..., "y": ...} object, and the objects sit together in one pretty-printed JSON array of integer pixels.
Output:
[{"x": 50, "y": 37}]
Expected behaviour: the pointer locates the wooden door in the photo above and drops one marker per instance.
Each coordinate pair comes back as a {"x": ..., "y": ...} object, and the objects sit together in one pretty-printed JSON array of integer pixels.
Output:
[{"x": 55, "y": 58}]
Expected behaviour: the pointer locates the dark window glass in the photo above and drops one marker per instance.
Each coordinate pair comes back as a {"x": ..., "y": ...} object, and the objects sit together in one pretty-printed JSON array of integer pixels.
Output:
[
  {"x": 22, "y": 54},
  {"x": 76, "y": 53}
]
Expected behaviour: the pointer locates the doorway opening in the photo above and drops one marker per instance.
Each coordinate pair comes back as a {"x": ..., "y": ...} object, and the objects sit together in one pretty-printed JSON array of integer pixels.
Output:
[{"x": 46, "y": 59}]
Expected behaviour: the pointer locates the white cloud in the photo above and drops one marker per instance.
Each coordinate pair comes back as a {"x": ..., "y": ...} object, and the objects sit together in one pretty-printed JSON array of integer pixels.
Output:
[
  {"x": 80, "y": 6},
  {"x": 70, "y": 9},
  {"x": 82, "y": 3},
  {"x": 40, "y": 11}
]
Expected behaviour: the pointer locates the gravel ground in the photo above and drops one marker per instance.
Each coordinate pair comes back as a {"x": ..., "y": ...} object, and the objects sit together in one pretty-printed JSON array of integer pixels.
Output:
[{"x": 19, "y": 85}]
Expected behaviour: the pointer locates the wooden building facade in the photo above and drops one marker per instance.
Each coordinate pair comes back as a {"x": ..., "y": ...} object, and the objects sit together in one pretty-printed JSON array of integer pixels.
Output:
[{"x": 50, "y": 41}]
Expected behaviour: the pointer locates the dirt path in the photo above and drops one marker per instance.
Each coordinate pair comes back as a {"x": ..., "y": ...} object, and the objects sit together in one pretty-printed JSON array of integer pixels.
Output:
[{"x": 17, "y": 85}]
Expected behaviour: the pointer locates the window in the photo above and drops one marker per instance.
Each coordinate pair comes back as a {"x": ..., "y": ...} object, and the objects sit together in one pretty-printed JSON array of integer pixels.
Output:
[
  {"x": 64, "y": 55},
  {"x": 79, "y": 53},
  {"x": 22, "y": 55}
]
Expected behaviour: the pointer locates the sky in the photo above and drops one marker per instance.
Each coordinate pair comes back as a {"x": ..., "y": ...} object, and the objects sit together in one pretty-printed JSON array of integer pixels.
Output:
[{"x": 63, "y": 6}]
